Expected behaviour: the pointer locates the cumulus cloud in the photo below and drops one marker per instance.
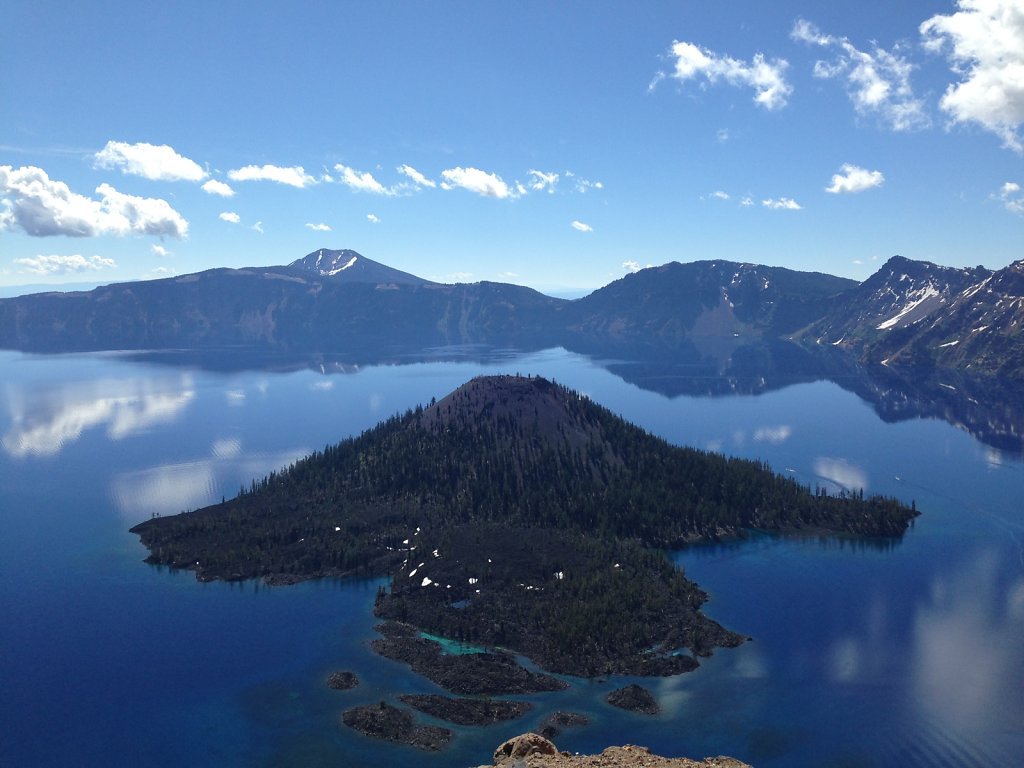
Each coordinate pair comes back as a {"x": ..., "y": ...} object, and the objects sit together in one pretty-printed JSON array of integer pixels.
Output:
[
  {"x": 579, "y": 226},
  {"x": 63, "y": 265},
  {"x": 321, "y": 227},
  {"x": 150, "y": 161},
  {"x": 230, "y": 216},
  {"x": 984, "y": 43},
  {"x": 294, "y": 176},
  {"x": 853, "y": 178},
  {"x": 1011, "y": 197},
  {"x": 782, "y": 204},
  {"x": 373, "y": 218},
  {"x": 42, "y": 206},
  {"x": 541, "y": 181},
  {"x": 878, "y": 81},
  {"x": 747, "y": 201},
  {"x": 361, "y": 181},
  {"x": 417, "y": 178},
  {"x": 767, "y": 78},
  {"x": 215, "y": 187},
  {"x": 475, "y": 180},
  {"x": 258, "y": 227},
  {"x": 159, "y": 250},
  {"x": 720, "y": 195}
]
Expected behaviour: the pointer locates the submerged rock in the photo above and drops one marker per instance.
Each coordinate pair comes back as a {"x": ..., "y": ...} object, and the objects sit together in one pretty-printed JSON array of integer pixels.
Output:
[{"x": 342, "y": 681}]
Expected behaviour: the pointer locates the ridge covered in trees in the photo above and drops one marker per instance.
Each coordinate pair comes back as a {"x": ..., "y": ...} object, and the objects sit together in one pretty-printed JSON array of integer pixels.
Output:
[{"x": 514, "y": 512}]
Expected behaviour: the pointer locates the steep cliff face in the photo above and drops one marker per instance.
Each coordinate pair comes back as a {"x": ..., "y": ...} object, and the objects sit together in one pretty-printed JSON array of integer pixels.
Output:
[{"x": 917, "y": 313}]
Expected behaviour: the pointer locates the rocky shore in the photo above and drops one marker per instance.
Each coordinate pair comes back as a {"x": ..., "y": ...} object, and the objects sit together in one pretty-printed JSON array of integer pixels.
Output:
[
  {"x": 489, "y": 673},
  {"x": 390, "y": 723},
  {"x": 533, "y": 751},
  {"x": 484, "y": 711}
]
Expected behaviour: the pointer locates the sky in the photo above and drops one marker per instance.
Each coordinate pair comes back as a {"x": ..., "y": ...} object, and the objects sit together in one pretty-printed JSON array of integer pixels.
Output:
[{"x": 558, "y": 145}]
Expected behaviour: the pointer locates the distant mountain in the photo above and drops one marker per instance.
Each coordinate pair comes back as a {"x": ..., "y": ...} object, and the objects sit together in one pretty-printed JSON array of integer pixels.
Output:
[
  {"x": 707, "y": 313},
  {"x": 922, "y": 314},
  {"x": 327, "y": 301},
  {"x": 677, "y": 303},
  {"x": 349, "y": 266}
]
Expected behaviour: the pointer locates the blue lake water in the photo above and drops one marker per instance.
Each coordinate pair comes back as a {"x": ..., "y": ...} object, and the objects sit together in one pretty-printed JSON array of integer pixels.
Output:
[{"x": 863, "y": 655}]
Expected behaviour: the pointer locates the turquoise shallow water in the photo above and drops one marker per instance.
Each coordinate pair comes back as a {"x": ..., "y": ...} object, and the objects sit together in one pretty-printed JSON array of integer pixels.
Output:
[{"x": 862, "y": 655}]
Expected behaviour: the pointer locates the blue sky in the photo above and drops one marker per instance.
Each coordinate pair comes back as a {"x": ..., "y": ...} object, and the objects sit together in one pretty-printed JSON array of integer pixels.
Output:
[{"x": 555, "y": 145}]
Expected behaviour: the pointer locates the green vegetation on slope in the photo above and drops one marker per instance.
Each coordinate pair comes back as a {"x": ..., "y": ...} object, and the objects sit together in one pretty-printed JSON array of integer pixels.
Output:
[{"x": 574, "y": 488}]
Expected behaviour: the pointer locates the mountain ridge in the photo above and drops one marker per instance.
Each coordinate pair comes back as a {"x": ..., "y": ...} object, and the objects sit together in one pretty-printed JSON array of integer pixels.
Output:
[{"x": 908, "y": 313}]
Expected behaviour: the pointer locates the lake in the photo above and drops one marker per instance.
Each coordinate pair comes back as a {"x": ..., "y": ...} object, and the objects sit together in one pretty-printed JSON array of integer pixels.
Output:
[{"x": 863, "y": 653}]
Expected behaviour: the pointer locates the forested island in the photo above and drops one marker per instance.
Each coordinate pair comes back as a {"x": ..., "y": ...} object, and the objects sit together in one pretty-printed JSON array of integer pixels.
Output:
[{"x": 514, "y": 513}]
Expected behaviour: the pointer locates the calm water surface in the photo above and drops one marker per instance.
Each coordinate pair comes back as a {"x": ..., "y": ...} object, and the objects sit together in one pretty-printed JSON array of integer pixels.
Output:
[{"x": 863, "y": 655}]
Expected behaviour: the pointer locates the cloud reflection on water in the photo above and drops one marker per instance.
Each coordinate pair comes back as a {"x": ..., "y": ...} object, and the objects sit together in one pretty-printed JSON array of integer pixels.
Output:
[
  {"x": 44, "y": 421},
  {"x": 167, "y": 489},
  {"x": 966, "y": 636},
  {"x": 841, "y": 473}
]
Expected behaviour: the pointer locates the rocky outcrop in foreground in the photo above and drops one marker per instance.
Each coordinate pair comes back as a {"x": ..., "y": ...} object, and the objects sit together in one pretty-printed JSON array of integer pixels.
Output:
[{"x": 533, "y": 751}]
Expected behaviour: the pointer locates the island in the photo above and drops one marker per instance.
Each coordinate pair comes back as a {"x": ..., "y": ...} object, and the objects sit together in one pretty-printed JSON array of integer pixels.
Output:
[
  {"x": 634, "y": 698},
  {"x": 515, "y": 514}
]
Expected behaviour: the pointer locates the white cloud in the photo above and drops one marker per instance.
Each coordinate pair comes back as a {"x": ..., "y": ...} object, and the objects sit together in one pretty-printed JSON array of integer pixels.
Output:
[
  {"x": 63, "y": 265},
  {"x": 258, "y": 227},
  {"x": 318, "y": 227},
  {"x": 984, "y": 41},
  {"x": 579, "y": 226},
  {"x": 782, "y": 203},
  {"x": 582, "y": 185},
  {"x": 853, "y": 178},
  {"x": 453, "y": 277},
  {"x": 215, "y": 187},
  {"x": 1011, "y": 197},
  {"x": 634, "y": 266},
  {"x": 475, "y": 180},
  {"x": 767, "y": 78},
  {"x": 747, "y": 201},
  {"x": 878, "y": 82},
  {"x": 373, "y": 218},
  {"x": 720, "y": 195},
  {"x": 294, "y": 176},
  {"x": 541, "y": 181},
  {"x": 42, "y": 207},
  {"x": 159, "y": 250},
  {"x": 149, "y": 161},
  {"x": 417, "y": 178},
  {"x": 230, "y": 216},
  {"x": 361, "y": 181}
]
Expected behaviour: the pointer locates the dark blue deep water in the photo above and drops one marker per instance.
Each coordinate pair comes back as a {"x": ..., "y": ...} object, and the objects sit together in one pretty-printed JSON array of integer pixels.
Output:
[{"x": 864, "y": 654}]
